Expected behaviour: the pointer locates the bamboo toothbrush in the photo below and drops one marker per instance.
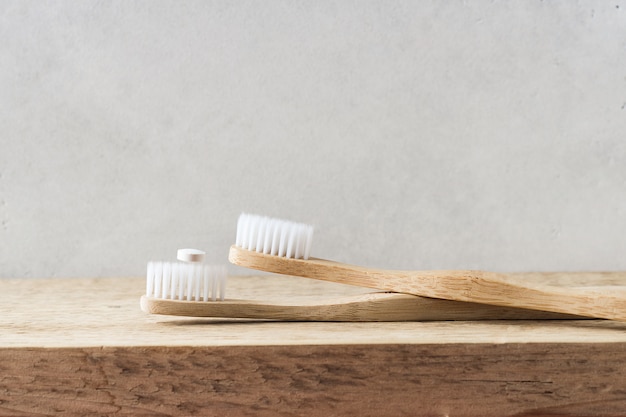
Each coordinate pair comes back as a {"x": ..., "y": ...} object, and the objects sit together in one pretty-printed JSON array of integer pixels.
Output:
[
  {"x": 283, "y": 247},
  {"x": 189, "y": 288}
]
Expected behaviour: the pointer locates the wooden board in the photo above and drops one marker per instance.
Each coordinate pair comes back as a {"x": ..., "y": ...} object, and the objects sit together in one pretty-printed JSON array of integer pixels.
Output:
[{"x": 83, "y": 347}]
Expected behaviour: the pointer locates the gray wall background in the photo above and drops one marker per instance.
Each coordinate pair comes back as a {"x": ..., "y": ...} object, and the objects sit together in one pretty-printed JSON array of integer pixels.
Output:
[{"x": 412, "y": 134}]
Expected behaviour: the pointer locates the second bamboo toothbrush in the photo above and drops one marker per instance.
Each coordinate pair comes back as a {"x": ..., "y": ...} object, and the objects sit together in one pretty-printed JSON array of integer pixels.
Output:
[{"x": 283, "y": 247}]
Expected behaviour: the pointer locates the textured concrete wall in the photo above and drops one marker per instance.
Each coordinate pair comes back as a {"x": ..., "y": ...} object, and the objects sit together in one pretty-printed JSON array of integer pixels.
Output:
[{"x": 412, "y": 134}]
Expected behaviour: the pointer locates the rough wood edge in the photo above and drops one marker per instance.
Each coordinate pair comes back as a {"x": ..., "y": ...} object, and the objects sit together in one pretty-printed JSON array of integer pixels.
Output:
[{"x": 364, "y": 380}]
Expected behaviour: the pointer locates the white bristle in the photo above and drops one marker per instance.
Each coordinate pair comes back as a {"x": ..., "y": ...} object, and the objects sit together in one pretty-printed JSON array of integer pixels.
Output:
[
  {"x": 182, "y": 280},
  {"x": 174, "y": 281},
  {"x": 206, "y": 281},
  {"x": 165, "y": 285},
  {"x": 185, "y": 281},
  {"x": 190, "y": 279},
  {"x": 275, "y": 237},
  {"x": 219, "y": 284},
  {"x": 150, "y": 279},
  {"x": 158, "y": 272}
]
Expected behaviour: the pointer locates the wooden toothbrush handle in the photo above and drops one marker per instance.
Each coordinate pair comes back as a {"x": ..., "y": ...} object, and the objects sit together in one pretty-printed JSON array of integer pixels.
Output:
[
  {"x": 469, "y": 286},
  {"x": 368, "y": 307},
  {"x": 486, "y": 288},
  {"x": 496, "y": 289}
]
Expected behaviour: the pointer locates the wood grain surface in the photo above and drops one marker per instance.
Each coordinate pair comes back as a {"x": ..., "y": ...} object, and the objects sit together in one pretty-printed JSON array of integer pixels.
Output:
[
  {"x": 355, "y": 380},
  {"x": 83, "y": 347}
]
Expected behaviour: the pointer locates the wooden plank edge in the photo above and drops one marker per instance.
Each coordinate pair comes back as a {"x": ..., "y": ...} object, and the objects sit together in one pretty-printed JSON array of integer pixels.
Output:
[{"x": 569, "y": 379}]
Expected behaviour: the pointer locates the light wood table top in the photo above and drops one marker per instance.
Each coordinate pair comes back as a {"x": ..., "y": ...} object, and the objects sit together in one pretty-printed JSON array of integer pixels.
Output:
[{"x": 84, "y": 347}]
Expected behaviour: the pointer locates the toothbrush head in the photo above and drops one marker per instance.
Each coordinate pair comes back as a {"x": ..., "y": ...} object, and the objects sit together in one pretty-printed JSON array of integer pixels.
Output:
[
  {"x": 190, "y": 281},
  {"x": 273, "y": 236}
]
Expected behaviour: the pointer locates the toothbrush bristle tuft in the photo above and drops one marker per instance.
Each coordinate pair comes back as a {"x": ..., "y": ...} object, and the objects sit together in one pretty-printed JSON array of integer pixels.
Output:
[
  {"x": 273, "y": 236},
  {"x": 186, "y": 281}
]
